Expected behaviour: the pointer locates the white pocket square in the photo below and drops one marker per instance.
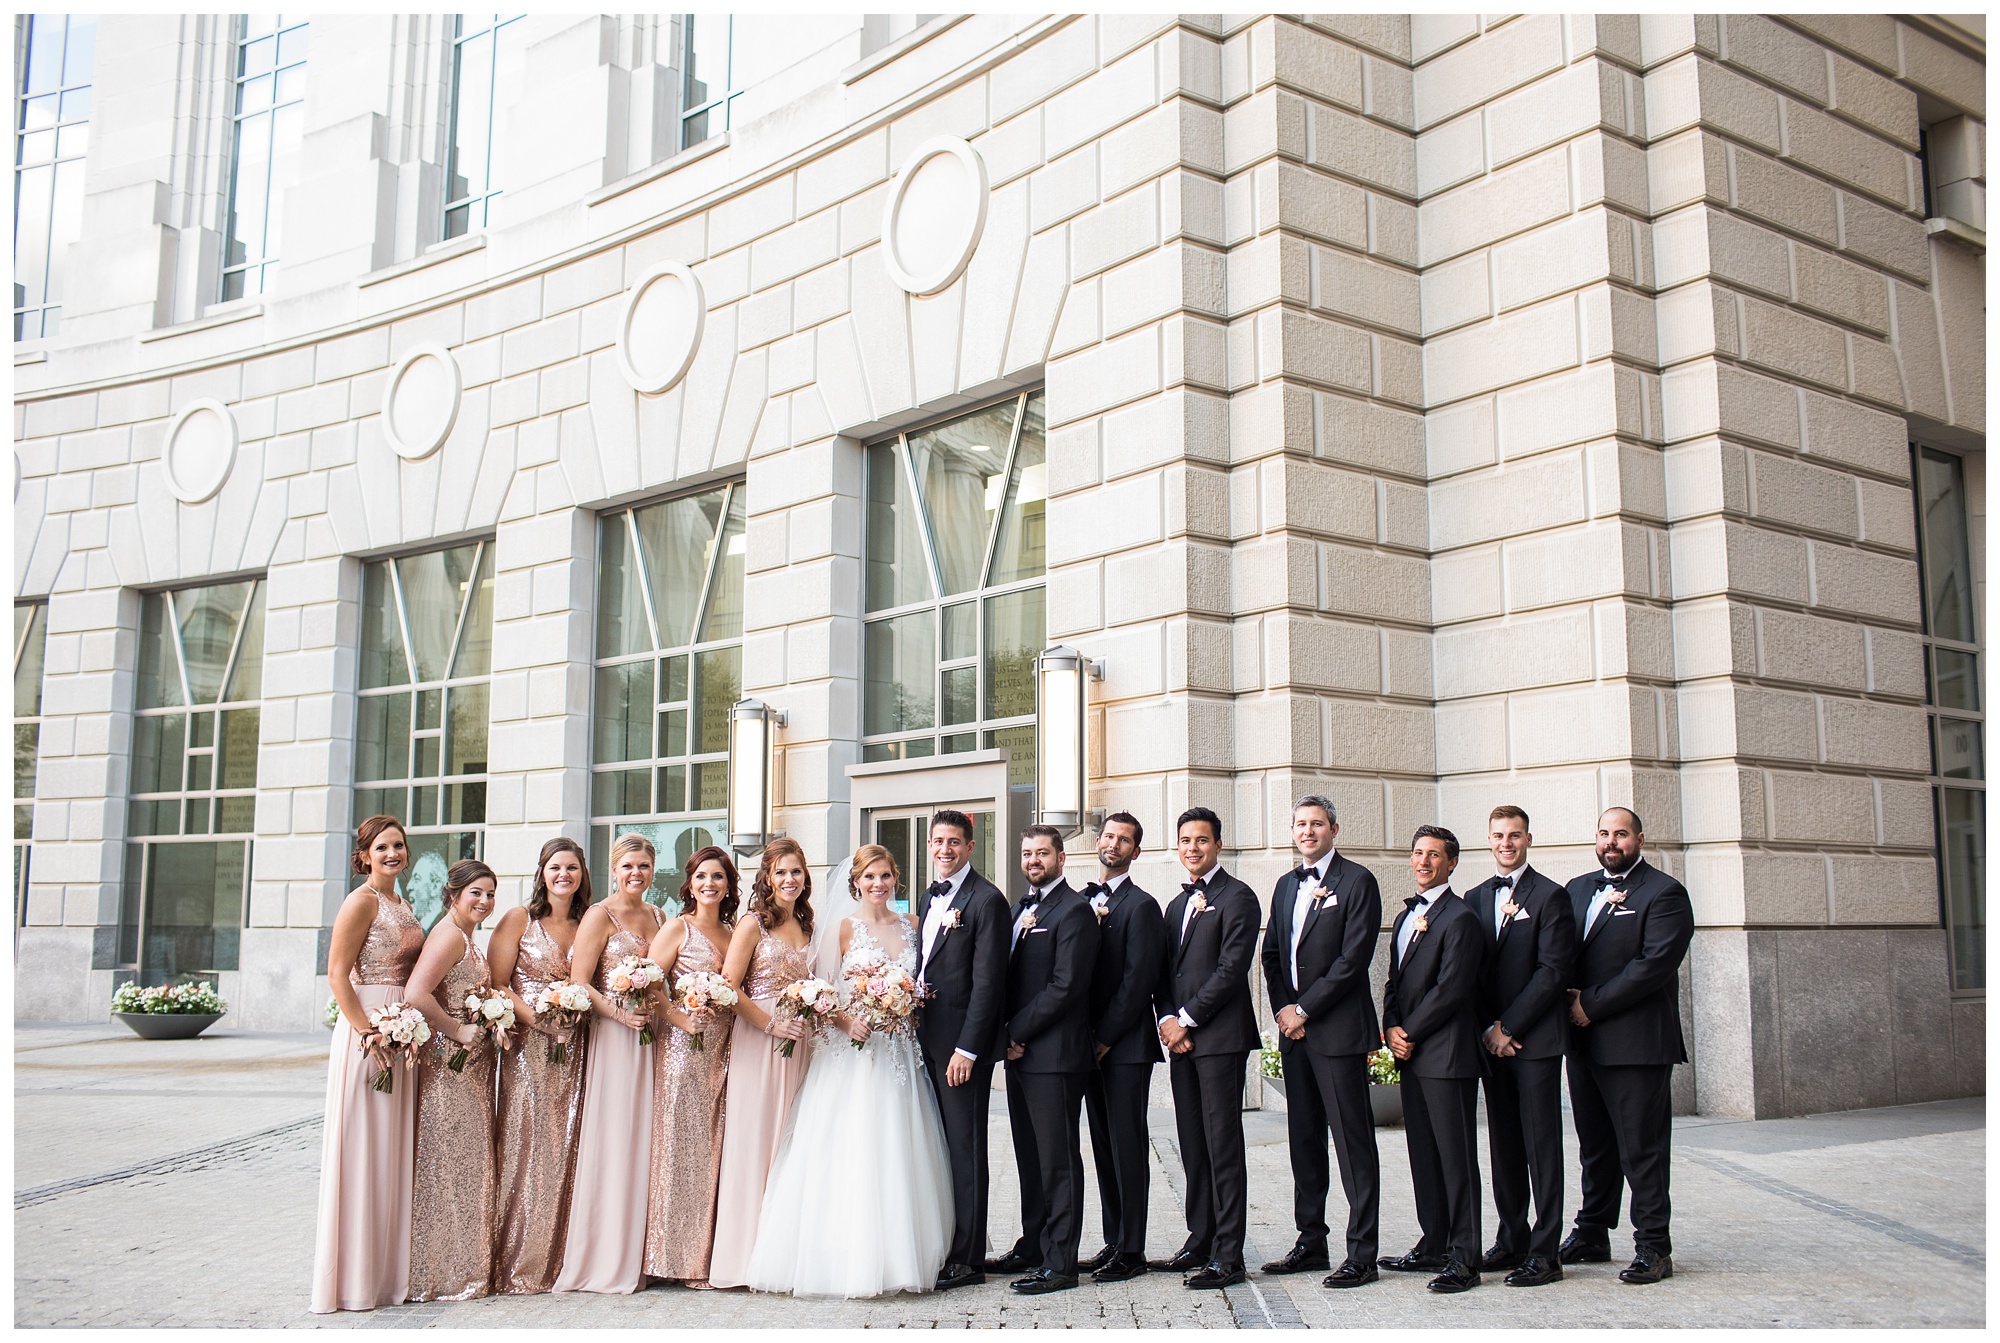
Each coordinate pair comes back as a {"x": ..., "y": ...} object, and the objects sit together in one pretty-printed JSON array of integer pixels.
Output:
[{"x": 1623, "y": 913}]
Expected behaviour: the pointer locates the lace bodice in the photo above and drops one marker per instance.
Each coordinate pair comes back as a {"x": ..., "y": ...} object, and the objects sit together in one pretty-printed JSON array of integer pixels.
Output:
[{"x": 862, "y": 941}]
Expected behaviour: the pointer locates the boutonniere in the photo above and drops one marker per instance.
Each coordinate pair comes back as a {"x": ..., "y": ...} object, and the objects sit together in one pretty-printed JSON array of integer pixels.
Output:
[
  {"x": 1027, "y": 919},
  {"x": 1510, "y": 911},
  {"x": 1422, "y": 925},
  {"x": 951, "y": 919},
  {"x": 1322, "y": 895},
  {"x": 1198, "y": 903},
  {"x": 1616, "y": 898},
  {"x": 1100, "y": 904}
]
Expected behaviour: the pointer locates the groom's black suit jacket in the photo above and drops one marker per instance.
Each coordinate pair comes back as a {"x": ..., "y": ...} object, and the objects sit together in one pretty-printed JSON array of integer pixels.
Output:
[
  {"x": 1207, "y": 971},
  {"x": 967, "y": 975},
  {"x": 1048, "y": 986},
  {"x": 1335, "y": 953},
  {"x": 1527, "y": 966}
]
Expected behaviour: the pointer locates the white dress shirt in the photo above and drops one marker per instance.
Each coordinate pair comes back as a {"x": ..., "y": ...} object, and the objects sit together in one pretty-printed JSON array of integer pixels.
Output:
[
  {"x": 1425, "y": 899},
  {"x": 1315, "y": 875}
]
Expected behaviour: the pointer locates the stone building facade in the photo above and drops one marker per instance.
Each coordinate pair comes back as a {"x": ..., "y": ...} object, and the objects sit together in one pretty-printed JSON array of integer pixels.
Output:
[{"x": 1432, "y": 412}]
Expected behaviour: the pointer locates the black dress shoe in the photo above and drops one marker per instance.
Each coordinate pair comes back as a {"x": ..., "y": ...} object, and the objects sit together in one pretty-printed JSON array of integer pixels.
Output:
[
  {"x": 1496, "y": 1259},
  {"x": 1187, "y": 1261},
  {"x": 1045, "y": 1280},
  {"x": 1213, "y": 1276},
  {"x": 1011, "y": 1262},
  {"x": 1584, "y": 1247},
  {"x": 1648, "y": 1267},
  {"x": 1535, "y": 1271},
  {"x": 1122, "y": 1268},
  {"x": 1416, "y": 1261},
  {"x": 1353, "y": 1273},
  {"x": 958, "y": 1275},
  {"x": 1300, "y": 1259},
  {"x": 1456, "y": 1277},
  {"x": 1098, "y": 1260}
]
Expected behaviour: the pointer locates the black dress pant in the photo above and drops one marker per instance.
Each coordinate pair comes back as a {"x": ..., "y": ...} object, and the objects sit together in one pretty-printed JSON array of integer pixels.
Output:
[
  {"x": 1044, "y": 1111},
  {"x": 1524, "y": 1141},
  {"x": 1624, "y": 1129},
  {"x": 963, "y": 1110},
  {"x": 1114, "y": 1099},
  {"x": 1208, "y": 1117},
  {"x": 1332, "y": 1092},
  {"x": 1438, "y": 1119}
]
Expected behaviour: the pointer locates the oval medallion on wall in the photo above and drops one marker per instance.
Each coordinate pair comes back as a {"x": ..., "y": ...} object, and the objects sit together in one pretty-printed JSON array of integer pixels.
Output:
[
  {"x": 661, "y": 328},
  {"x": 420, "y": 404},
  {"x": 935, "y": 214},
  {"x": 200, "y": 450}
]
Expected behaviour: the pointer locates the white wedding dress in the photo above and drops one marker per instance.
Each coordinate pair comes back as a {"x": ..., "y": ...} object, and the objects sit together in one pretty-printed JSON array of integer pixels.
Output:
[{"x": 859, "y": 1198}]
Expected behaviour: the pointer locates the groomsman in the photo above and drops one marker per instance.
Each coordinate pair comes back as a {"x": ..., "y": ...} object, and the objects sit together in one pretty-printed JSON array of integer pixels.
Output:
[
  {"x": 1209, "y": 1027},
  {"x": 1433, "y": 1030},
  {"x": 1050, "y": 1051},
  {"x": 963, "y": 961},
  {"x": 1131, "y": 946},
  {"x": 1530, "y": 944},
  {"x": 1625, "y": 1038},
  {"x": 1326, "y": 917}
]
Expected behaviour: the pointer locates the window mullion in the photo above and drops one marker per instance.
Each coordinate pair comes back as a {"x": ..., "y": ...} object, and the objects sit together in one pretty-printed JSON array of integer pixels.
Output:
[
  {"x": 714, "y": 560},
  {"x": 909, "y": 466},
  {"x": 640, "y": 567},
  {"x": 464, "y": 610},
  {"x": 1006, "y": 492}
]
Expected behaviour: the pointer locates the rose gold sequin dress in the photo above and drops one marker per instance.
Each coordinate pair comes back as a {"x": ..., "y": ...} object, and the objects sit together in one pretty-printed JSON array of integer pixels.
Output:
[
  {"x": 687, "y": 1131},
  {"x": 541, "y": 1113},
  {"x": 362, "y": 1256},
  {"x": 606, "y": 1239},
  {"x": 762, "y": 1082},
  {"x": 451, "y": 1214}
]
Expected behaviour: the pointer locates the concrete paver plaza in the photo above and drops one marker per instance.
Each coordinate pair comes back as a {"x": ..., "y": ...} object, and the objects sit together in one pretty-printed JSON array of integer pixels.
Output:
[{"x": 176, "y": 1184}]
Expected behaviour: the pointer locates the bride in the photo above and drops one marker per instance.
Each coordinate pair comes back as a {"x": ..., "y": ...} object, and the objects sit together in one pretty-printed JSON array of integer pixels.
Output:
[{"x": 859, "y": 1199}]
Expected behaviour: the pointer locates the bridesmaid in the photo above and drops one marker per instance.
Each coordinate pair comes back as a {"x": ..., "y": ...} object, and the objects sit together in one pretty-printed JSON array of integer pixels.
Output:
[
  {"x": 771, "y": 949},
  {"x": 604, "y": 1244},
  {"x": 687, "y": 1082},
  {"x": 541, "y": 1102},
  {"x": 451, "y": 1214},
  {"x": 362, "y": 1256}
]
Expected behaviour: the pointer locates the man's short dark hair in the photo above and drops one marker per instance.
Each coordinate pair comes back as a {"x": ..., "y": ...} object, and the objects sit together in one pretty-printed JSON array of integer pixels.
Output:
[
  {"x": 1638, "y": 826},
  {"x": 1508, "y": 812},
  {"x": 1437, "y": 832},
  {"x": 1126, "y": 818},
  {"x": 1047, "y": 832},
  {"x": 957, "y": 820},
  {"x": 1200, "y": 814}
]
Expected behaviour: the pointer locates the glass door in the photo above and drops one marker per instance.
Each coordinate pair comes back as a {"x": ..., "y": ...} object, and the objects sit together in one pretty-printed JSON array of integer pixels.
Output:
[{"x": 906, "y": 833}]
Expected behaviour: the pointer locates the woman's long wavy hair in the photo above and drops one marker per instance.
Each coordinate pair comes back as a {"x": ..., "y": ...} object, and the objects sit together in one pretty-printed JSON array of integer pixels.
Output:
[
  {"x": 763, "y": 896},
  {"x": 694, "y": 862},
  {"x": 539, "y": 904}
]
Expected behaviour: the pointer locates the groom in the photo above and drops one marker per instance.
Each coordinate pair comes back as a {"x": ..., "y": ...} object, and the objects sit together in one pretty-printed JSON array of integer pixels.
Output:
[{"x": 963, "y": 963}]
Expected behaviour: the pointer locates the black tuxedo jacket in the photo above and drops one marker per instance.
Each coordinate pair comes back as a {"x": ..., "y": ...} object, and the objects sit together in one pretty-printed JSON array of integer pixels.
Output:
[
  {"x": 1432, "y": 990},
  {"x": 1207, "y": 972},
  {"x": 967, "y": 974},
  {"x": 1525, "y": 985},
  {"x": 1335, "y": 953},
  {"x": 1131, "y": 945},
  {"x": 1048, "y": 986},
  {"x": 1628, "y": 967}
]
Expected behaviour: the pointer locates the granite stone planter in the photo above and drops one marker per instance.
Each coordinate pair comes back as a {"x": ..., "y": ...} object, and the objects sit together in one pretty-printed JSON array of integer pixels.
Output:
[
  {"x": 168, "y": 1025},
  {"x": 1387, "y": 1101}
]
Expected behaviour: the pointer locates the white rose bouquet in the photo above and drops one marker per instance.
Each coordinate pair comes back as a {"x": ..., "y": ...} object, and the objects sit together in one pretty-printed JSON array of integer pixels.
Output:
[
  {"x": 812, "y": 1001},
  {"x": 488, "y": 1009},
  {"x": 702, "y": 991},
  {"x": 403, "y": 1030},
  {"x": 632, "y": 979},
  {"x": 563, "y": 1005}
]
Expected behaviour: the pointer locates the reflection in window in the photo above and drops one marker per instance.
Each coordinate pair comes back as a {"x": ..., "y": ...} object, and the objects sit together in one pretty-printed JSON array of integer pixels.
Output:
[
  {"x": 420, "y": 736},
  {"x": 669, "y": 657},
  {"x": 486, "y": 75},
  {"x": 729, "y": 64},
  {"x": 193, "y": 793},
  {"x": 952, "y": 578},
  {"x": 31, "y": 630},
  {"x": 1957, "y": 719},
  {"x": 51, "y": 133},
  {"x": 270, "y": 117}
]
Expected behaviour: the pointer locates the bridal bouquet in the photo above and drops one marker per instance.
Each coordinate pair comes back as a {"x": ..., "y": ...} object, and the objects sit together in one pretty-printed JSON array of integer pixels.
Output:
[
  {"x": 883, "y": 993},
  {"x": 403, "y": 1029},
  {"x": 703, "y": 991},
  {"x": 564, "y": 1005},
  {"x": 488, "y": 1009},
  {"x": 812, "y": 1001},
  {"x": 631, "y": 979}
]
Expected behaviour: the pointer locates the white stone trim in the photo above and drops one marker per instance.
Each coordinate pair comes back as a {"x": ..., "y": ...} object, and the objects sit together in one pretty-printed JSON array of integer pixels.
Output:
[
  {"x": 693, "y": 314},
  {"x": 941, "y": 275},
  {"x": 409, "y": 442},
  {"x": 188, "y": 488}
]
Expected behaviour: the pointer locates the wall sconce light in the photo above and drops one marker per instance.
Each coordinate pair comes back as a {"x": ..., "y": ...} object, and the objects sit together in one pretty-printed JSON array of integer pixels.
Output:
[
  {"x": 750, "y": 724},
  {"x": 1060, "y": 754}
]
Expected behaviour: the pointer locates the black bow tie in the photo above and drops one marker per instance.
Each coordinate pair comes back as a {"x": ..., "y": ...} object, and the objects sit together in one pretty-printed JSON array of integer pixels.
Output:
[
  {"x": 1503, "y": 881},
  {"x": 1191, "y": 887},
  {"x": 1093, "y": 889},
  {"x": 1032, "y": 898},
  {"x": 937, "y": 888},
  {"x": 1299, "y": 874},
  {"x": 1616, "y": 883},
  {"x": 1413, "y": 902}
]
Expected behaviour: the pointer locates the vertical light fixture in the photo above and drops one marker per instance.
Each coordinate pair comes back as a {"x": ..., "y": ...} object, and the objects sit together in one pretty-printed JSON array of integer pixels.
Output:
[
  {"x": 750, "y": 724},
  {"x": 1059, "y": 743}
]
